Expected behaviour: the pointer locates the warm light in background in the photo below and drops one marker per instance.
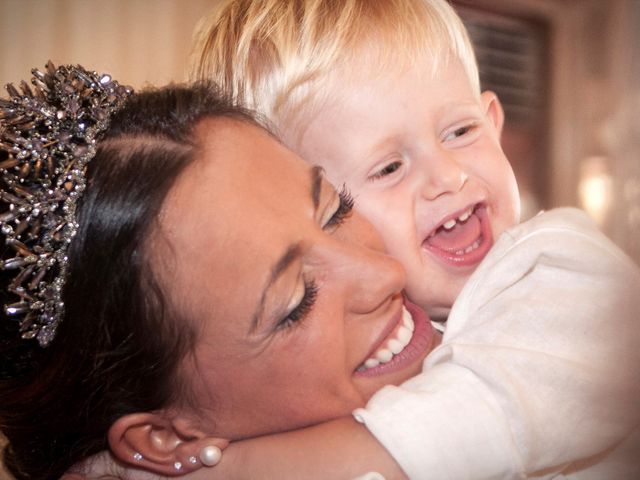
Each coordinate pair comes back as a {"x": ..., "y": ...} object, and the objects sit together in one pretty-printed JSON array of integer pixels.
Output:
[{"x": 595, "y": 187}]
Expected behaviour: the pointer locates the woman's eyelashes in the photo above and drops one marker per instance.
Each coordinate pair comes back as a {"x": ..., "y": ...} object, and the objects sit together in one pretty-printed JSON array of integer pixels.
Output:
[
  {"x": 305, "y": 305},
  {"x": 345, "y": 207},
  {"x": 307, "y": 301},
  {"x": 302, "y": 309}
]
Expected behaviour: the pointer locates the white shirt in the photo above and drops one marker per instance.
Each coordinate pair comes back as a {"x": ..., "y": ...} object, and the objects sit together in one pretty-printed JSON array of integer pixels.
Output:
[{"x": 538, "y": 374}]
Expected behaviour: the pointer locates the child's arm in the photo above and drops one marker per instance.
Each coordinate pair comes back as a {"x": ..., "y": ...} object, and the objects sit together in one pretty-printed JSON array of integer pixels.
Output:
[{"x": 538, "y": 368}]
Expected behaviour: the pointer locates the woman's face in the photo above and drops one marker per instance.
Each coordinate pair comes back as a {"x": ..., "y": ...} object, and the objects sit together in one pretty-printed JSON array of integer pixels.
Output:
[{"x": 290, "y": 292}]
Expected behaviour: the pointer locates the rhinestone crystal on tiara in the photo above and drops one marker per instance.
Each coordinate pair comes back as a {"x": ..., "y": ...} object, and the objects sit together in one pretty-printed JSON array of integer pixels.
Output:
[{"x": 48, "y": 134}]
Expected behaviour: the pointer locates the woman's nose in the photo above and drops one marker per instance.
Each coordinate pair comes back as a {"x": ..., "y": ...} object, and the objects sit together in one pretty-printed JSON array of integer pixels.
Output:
[
  {"x": 442, "y": 175},
  {"x": 369, "y": 275},
  {"x": 358, "y": 230}
]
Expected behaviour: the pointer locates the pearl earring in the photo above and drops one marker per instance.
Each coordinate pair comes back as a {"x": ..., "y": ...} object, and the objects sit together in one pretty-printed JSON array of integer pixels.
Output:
[{"x": 210, "y": 455}]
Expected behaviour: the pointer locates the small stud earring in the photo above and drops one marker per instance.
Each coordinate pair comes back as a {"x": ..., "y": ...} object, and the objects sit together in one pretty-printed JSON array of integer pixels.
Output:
[
  {"x": 137, "y": 456},
  {"x": 210, "y": 455},
  {"x": 177, "y": 466},
  {"x": 193, "y": 460}
]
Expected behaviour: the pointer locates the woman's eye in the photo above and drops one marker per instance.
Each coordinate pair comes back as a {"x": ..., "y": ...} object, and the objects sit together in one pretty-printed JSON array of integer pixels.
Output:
[
  {"x": 460, "y": 132},
  {"x": 302, "y": 309},
  {"x": 343, "y": 211},
  {"x": 386, "y": 170}
]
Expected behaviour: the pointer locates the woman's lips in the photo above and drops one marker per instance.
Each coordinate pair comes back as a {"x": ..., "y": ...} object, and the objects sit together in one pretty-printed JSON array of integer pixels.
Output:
[
  {"x": 462, "y": 240},
  {"x": 412, "y": 336}
]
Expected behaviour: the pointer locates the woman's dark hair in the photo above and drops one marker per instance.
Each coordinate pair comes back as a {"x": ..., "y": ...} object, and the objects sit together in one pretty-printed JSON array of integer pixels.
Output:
[{"x": 120, "y": 344}]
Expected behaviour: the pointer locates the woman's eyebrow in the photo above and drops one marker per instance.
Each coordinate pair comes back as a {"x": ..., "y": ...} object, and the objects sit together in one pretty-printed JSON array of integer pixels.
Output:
[
  {"x": 292, "y": 253},
  {"x": 317, "y": 173}
]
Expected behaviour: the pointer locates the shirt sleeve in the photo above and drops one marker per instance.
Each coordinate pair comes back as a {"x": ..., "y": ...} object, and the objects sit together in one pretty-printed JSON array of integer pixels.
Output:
[{"x": 539, "y": 365}]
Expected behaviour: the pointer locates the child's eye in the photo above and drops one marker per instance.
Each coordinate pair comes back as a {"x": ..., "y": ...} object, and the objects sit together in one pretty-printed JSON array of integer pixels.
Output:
[
  {"x": 460, "y": 132},
  {"x": 343, "y": 211},
  {"x": 386, "y": 170},
  {"x": 302, "y": 309}
]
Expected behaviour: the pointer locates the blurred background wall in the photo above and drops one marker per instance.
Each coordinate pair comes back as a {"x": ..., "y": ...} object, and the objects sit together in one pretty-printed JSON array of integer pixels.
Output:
[
  {"x": 568, "y": 72},
  {"x": 142, "y": 41}
]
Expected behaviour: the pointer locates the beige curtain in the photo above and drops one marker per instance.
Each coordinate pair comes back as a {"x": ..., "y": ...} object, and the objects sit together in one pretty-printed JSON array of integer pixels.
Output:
[{"x": 137, "y": 41}]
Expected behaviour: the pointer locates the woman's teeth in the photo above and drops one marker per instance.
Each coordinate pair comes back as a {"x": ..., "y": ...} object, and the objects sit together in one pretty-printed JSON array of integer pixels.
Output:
[{"x": 394, "y": 345}]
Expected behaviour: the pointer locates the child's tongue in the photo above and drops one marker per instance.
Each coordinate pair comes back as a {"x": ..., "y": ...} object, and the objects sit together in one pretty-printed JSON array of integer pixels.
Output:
[{"x": 459, "y": 237}]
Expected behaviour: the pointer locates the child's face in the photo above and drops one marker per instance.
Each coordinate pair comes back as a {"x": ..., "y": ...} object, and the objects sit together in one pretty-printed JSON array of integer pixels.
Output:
[{"x": 422, "y": 157}]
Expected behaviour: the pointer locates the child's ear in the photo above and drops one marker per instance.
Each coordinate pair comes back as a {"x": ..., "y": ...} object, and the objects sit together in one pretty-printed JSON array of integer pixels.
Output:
[
  {"x": 164, "y": 446},
  {"x": 493, "y": 110}
]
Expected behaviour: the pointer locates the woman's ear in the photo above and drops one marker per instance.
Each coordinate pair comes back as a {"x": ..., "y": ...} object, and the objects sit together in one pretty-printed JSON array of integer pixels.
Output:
[
  {"x": 493, "y": 110},
  {"x": 164, "y": 446}
]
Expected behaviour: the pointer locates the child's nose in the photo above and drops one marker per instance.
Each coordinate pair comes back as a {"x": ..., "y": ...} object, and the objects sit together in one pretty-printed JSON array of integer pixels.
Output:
[{"x": 442, "y": 175}]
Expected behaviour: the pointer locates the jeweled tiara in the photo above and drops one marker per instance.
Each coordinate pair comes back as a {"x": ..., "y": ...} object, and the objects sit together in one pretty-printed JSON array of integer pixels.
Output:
[{"x": 48, "y": 134}]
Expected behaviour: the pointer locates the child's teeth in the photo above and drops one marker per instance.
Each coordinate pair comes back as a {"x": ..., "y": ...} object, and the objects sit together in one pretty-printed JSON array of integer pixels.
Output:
[
  {"x": 449, "y": 224},
  {"x": 465, "y": 216},
  {"x": 469, "y": 249}
]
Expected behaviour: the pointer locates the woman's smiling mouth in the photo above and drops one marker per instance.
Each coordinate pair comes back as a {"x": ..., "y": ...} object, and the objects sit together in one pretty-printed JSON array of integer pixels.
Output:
[{"x": 411, "y": 337}]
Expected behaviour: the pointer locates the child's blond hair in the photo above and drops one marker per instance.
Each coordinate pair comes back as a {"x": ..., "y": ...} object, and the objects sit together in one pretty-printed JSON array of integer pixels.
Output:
[{"x": 277, "y": 56}]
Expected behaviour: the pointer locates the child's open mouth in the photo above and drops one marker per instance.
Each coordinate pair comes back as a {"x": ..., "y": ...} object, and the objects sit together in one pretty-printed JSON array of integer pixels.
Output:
[{"x": 463, "y": 239}]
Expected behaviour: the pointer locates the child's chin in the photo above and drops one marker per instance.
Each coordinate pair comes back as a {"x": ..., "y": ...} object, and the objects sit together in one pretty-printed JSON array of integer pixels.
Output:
[
  {"x": 438, "y": 300},
  {"x": 438, "y": 313}
]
